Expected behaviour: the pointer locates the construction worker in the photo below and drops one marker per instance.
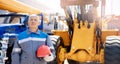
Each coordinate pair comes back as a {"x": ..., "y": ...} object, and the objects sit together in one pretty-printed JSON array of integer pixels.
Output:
[{"x": 25, "y": 48}]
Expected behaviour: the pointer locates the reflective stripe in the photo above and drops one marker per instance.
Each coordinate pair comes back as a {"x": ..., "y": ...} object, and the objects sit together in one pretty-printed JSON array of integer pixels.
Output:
[
  {"x": 38, "y": 39},
  {"x": 16, "y": 49},
  {"x": 51, "y": 47},
  {"x": 34, "y": 39}
]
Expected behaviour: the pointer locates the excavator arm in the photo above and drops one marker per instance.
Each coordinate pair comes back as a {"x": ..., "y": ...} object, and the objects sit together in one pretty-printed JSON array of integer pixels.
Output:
[{"x": 18, "y": 7}]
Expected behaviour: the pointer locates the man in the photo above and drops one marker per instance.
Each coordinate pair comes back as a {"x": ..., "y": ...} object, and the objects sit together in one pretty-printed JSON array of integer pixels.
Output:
[{"x": 25, "y": 48}]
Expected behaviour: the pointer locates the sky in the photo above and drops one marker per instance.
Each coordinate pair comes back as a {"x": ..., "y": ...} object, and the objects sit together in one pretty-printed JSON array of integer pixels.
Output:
[
  {"x": 112, "y": 7},
  {"x": 47, "y": 6}
]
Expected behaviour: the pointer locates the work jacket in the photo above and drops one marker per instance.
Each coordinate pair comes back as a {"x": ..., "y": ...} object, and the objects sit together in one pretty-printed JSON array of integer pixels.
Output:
[{"x": 24, "y": 50}]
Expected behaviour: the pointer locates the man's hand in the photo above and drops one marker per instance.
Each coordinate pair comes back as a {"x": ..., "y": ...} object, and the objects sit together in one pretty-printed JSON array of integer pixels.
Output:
[{"x": 49, "y": 58}]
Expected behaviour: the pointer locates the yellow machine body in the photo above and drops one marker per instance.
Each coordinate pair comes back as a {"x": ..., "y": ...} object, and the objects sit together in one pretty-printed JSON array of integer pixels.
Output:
[
  {"x": 83, "y": 45},
  {"x": 64, "y": 35}
]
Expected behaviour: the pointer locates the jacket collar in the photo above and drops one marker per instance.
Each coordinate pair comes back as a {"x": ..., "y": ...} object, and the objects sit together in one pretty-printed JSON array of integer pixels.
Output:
[{"x": 29, "y": 32}]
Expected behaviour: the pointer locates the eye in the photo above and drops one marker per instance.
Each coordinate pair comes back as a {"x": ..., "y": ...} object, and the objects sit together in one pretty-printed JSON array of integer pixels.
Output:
[
  {"x": 35, "y": 19},
  {"x": 31, "y": 19}
]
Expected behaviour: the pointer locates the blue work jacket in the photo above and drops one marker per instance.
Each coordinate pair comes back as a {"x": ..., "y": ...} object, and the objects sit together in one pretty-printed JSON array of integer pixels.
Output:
[{"x": 24, "y": 50}]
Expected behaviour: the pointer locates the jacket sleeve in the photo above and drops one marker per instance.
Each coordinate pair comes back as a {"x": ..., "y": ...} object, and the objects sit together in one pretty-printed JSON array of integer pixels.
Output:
[
  {"x": 15, "y": 56},
  {"x": 50, "y": 44}
]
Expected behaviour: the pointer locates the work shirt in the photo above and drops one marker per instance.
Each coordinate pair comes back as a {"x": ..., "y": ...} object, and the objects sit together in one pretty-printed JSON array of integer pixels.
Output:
[{"x": 24, "y": 50}]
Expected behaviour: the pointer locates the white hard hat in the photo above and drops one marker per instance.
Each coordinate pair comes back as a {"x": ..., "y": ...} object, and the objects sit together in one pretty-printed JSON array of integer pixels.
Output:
[{"x": 49, "y": 58}]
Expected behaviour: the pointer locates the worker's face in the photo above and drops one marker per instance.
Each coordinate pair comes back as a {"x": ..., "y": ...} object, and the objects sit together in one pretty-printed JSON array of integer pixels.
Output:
[{"x": 33, "y": 22}]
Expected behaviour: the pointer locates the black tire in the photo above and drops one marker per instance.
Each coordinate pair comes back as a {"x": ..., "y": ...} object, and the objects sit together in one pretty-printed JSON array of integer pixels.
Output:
[
  {"x": 112, "y": 50},
  {"x": 9, "y": 49},
  {"x": 76, "y": 62},
  {"x": 56, "y": 41},
  {"x": 73, "y": 62}
]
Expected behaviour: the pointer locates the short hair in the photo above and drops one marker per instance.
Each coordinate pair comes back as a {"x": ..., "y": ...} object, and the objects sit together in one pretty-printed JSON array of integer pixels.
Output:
[{"x": 33, "y": 15}]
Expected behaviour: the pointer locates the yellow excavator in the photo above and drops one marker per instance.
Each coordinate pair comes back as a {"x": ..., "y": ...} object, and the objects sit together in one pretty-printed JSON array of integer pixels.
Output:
[{"x": 86, "y": 42}]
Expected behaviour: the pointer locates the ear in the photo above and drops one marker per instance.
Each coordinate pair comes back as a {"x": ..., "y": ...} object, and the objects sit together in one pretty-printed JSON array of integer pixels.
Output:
[{"x": 39, "y": 23}]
